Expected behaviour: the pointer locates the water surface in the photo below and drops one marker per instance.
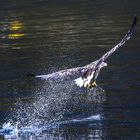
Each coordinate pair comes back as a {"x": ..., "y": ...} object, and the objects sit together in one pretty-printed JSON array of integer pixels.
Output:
[{"x": 41, "y": 37}]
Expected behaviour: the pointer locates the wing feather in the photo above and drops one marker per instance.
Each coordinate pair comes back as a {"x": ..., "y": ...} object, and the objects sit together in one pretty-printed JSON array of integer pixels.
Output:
[
  {"x": 64, "y": 73},
  {"x": 122, "y": 42},
  {"x": 78, "y": 71}
]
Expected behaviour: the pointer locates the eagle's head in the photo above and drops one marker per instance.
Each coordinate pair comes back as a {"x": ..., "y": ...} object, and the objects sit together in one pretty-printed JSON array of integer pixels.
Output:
[{"x": 103, "y": 64}]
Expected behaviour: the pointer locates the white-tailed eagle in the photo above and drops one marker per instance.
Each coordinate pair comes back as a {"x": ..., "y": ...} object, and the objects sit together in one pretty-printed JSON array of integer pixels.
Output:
[{"x": 87, "y": 75}]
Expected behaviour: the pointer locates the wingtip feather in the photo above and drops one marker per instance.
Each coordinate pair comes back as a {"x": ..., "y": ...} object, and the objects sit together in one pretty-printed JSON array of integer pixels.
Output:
[{"x": 135, "y": 20}]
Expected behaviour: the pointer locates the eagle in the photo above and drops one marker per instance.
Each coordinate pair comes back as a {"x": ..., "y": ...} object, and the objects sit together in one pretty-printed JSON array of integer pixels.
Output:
[{"x": 86, "y": 76}]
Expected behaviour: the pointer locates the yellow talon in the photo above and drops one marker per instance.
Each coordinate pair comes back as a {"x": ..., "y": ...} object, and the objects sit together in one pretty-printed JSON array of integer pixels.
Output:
[
  {"x": 94, "y": 84},
  {"x": 91, "y": 85},
  {"x": 88, "y": 86}
]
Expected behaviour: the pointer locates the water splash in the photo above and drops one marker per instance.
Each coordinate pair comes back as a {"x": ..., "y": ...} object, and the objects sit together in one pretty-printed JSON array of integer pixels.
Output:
[
  {"x": 55, "y": 104},
  {"x": 12, "y": 131}
]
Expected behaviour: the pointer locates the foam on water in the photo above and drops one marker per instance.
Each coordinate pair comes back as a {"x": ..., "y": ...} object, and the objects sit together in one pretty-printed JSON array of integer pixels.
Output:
[{"x": 10, "y": 130}]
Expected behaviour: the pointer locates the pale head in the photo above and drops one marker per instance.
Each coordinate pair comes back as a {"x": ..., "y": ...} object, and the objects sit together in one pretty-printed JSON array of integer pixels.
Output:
[{"x": 103, "y": 64}]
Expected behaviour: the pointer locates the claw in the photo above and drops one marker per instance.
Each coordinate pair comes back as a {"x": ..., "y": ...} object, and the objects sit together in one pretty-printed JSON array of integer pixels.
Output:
[
  {"x": 91, "y": 85},
  {"x": 94, "y": 84},
  {"x": 88, "y": 86}
]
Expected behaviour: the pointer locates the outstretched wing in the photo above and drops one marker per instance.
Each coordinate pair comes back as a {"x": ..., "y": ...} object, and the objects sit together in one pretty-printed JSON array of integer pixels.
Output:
[
  {"x": 64, "y": 73},
  {"x": 125, "y": 38},
  {"x": 78, "y": 71},
  {"x": 72, "y": 72}
]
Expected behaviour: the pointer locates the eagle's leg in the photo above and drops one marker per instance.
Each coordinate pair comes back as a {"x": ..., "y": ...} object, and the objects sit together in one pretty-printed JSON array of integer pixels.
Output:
[
  {"x": 88, "y": 86},
  {"x": 93, "y": 84}
]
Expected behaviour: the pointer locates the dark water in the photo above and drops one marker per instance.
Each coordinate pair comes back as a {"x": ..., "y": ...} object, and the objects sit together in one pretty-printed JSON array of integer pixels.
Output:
[{"x": 41, "y": 37}]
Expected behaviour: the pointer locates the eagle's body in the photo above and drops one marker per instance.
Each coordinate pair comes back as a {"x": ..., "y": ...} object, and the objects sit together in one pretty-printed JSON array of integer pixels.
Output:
[{"x": 87, "y": 75}]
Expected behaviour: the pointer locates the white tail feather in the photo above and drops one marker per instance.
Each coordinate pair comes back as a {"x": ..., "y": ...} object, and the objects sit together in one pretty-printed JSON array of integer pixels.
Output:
[{"x": 79, "y": 82}]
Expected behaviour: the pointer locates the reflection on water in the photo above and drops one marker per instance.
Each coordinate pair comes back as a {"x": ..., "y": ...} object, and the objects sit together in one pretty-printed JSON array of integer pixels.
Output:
[
  {"x": 16, "y": 25},
  {"x": 41, "y": 37},
  {"x": 13, "y": 30},
  {"x": 16, "y": 28}
]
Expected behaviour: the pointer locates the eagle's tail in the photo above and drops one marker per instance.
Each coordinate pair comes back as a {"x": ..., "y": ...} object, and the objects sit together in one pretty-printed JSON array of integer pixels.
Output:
[{"x": 79, "y": 82}]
